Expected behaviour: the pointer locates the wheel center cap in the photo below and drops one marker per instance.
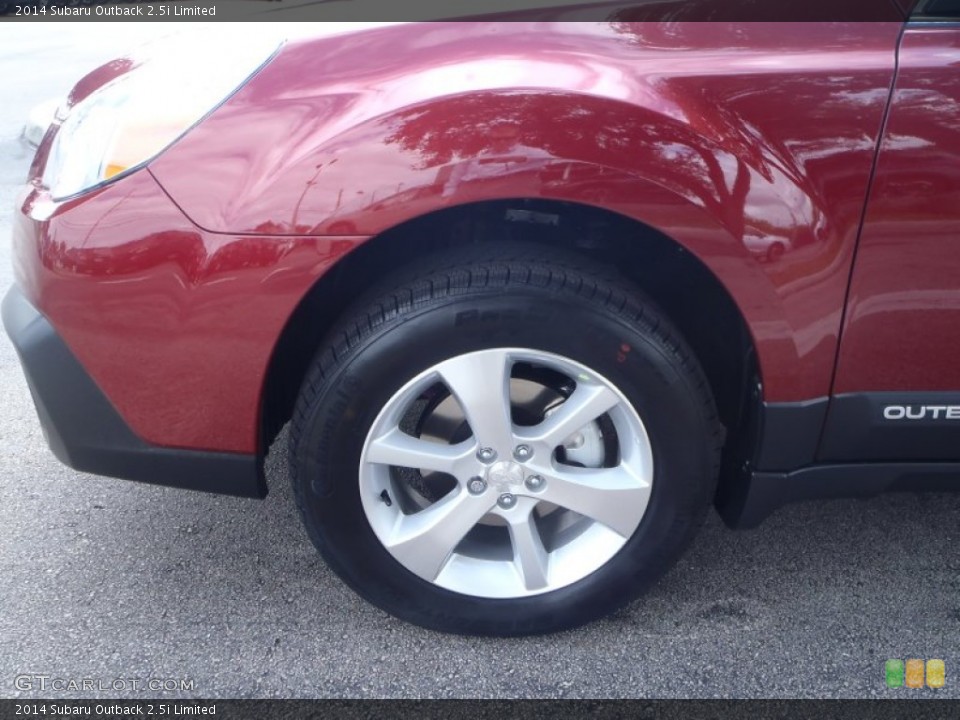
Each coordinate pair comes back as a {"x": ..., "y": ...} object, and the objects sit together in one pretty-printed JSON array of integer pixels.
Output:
[{"x": 505, "y": 473}]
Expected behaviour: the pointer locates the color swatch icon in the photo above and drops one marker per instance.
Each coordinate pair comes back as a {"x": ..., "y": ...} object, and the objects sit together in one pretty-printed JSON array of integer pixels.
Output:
[
  {"x": 898, "y": 673},
  {"x": 894, "y": 673},
  {"x": 914, "y": 673}
]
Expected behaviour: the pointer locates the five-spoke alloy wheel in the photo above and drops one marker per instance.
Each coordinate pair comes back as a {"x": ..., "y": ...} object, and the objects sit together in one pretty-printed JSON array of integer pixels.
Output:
[
  {"x": 513, "y": 509},
  {"x": 512, "y": 440}
]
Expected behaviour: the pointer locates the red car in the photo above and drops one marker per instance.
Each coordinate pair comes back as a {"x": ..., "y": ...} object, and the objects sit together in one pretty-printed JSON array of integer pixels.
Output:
[{"x": 532, "y": 296}]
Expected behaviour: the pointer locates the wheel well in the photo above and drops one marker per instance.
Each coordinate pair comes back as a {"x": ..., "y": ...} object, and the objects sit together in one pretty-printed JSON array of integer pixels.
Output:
[{"x": 677, "y": 281}]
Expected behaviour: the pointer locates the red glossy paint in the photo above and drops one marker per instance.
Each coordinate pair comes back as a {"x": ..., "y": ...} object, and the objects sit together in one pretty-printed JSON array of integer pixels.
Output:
[
  {"x": 176, "y": 325},
  {"x": 902, "y": 330},
  {"x": 729, "y": 138},
  {"x": 749, "y": 144}
]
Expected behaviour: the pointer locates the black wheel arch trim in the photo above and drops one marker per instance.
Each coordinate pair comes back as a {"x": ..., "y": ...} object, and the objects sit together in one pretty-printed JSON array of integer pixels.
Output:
[{"x": 85, "y": 431}]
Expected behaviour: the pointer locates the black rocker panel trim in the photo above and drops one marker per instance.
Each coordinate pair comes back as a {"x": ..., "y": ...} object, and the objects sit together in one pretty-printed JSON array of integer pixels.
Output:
[
  {"x": 892, "y": 426},
  {"x": 764, "y": 492},
  {"x": 87, "y": 433},
  {"x": 854, "y": 445}
]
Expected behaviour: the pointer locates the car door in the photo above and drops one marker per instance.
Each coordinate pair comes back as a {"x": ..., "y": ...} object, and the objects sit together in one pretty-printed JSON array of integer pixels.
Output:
[{"x": 897, "y": 381}]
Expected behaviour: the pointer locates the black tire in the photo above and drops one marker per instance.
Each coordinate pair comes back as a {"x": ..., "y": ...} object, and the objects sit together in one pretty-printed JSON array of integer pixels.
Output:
[{"x": 498, "y": 295}]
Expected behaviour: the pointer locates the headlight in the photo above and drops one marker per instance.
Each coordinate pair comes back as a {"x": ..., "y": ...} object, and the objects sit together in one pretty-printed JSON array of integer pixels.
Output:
[{"x": 129, "y": 121}]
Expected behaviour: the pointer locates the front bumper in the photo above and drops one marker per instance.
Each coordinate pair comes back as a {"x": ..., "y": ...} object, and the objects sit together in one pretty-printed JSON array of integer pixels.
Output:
[{"x": 87, "y": 433}]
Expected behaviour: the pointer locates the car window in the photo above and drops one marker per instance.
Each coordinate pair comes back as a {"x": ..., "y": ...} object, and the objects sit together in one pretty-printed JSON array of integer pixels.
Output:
[{"x": 938, "y": 10}]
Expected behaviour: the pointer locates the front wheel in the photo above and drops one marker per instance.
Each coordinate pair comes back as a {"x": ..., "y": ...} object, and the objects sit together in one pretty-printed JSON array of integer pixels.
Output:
[{"x": 504, "y": 444}]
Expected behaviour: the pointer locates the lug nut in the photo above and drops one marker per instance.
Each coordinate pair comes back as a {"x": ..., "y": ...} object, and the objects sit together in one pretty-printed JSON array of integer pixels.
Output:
[
  {"x": 486, "y": 455},
  {"x": 522, "y": 452},
  {"x": 535, "y": 483},
  {"x": 476, "y": 486},
  {"x": 507, "y": 501}
]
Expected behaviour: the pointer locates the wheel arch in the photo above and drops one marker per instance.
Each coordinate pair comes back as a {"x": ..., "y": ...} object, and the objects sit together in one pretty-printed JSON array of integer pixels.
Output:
[{"x": 677, "y": 280}]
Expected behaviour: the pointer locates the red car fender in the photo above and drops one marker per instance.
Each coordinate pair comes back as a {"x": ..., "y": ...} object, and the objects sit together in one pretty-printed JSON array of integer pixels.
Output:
[{"x": 714, "y": 145}]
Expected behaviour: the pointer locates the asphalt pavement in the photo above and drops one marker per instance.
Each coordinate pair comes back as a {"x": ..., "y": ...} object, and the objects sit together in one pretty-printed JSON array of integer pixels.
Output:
[{"x": 108, "y": 580}]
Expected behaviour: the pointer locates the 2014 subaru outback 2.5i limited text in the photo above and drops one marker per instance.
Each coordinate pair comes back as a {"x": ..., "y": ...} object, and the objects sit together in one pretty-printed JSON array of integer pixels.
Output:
[{"x": 533, "y": 296}]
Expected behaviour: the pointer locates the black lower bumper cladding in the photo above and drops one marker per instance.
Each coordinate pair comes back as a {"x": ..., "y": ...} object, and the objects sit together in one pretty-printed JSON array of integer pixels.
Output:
[{"x": 87, "y": 433}]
